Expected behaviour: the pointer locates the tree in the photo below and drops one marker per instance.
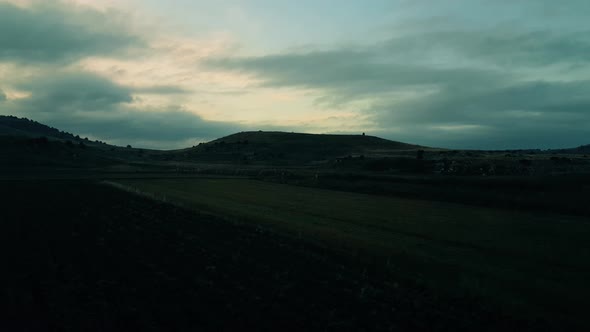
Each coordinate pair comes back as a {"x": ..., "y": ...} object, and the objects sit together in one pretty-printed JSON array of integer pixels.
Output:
[{"x": 128, "y": 146}]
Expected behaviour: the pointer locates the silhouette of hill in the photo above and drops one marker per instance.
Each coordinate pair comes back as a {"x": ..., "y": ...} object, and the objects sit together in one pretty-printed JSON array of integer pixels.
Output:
[
  {"x": 14, "y": 126},
  {"x": 28, "y": 142},
  {"x": 276, "y": 136},
  {"x": 243, "y": 147},
  {"x": 298, "y": 140},
  {"x": 293, "y": 147}
]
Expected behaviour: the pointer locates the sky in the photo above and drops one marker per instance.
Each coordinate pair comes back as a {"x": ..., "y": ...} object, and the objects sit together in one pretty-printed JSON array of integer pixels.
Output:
[{"x": 474, "y": 74}]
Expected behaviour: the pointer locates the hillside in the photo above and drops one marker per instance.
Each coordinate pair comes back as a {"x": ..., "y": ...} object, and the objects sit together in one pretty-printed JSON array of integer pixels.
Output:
[
  {"x": 13, "y": 126},
  {"x": 27, "y": 143},
  {"x": 283, "y": 147},
  {"x": 284, "y": 139}
]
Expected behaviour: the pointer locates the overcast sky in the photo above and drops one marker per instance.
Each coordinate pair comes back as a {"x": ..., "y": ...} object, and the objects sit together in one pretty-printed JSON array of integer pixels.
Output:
[{"x": 484, "y": 74}]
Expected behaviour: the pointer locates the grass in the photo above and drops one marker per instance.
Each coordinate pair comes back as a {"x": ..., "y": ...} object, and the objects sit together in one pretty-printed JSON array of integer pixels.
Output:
[{"x": 534, "y": 264}]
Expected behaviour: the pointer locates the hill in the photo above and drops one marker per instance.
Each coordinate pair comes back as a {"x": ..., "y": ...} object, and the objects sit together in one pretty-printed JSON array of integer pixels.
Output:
[
  {"x": 26, "y": 143},
  {"x": 283, "y": 147},
  {"x": 13, "y": 126},
  {"x": 26, "y": 138},
  {"x": 22, "y": 127},
  {"x": 285, "y": 138}
]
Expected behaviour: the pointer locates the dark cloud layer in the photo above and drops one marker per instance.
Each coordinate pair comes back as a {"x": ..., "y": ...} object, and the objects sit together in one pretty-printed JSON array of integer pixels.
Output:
[
  {"x": 74, "y": 92},
  {"x": 91, "y": 105},
  {"x": 461, "y": 88},
  {"x": 83, "y": 92},
  {"x": 506, "y": 46},
  {"x": 168, "y": 126},
  {"x": 55, "y": 33},
  {"x": 349, "y": 74}
]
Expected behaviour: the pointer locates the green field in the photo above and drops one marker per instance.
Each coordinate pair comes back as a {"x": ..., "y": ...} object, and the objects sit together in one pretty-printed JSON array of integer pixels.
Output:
[{"x": 532, "y": 263}]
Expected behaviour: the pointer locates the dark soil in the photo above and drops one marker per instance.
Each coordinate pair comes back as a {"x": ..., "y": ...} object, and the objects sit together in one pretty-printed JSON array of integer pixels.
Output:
[{"x": 79, "y": 256}]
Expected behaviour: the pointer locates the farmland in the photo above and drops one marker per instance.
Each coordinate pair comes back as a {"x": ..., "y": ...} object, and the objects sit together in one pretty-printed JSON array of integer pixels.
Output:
[
  {"x": 84, "y": 256},
  {"x": 518, "y": 260}
]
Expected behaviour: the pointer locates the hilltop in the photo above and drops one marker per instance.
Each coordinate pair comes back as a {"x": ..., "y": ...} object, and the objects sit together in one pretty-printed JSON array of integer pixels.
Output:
[
  {"x": 284, "y": 147},
  {"x": 279, "y": 138}
]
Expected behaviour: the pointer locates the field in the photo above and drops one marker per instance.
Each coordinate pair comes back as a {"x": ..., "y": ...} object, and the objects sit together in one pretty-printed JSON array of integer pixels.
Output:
[
  {"x": 533, "y": 264},
  {"x": 80, "y": 256}
]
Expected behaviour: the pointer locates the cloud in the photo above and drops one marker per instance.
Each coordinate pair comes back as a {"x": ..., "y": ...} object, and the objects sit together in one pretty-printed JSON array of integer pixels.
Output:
[
  {"x": 74, "y": 92},
  {"x": 79, "y": 91},
  {"x": 349, "y": 74},
  {"x": 524, "y": 115},
  {"x": 457, "y": 86},
  {"x": 161, "y": 90},
  {"x": 552, "y": 101},
  {"x": 504, "y": 46},
  {"x": 167, "y": 126},
  {"x": 94, "y": 106},
  {"x": 3, "y": 96},
  {"x": 54, "y": 32}
]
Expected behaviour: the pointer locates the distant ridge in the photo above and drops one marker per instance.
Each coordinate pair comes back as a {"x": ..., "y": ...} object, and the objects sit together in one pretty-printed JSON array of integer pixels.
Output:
[
  {"x": 253, "y": 142},
  {"x": 298, "y": 139},
  {"x": 284, "y": 147}
]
